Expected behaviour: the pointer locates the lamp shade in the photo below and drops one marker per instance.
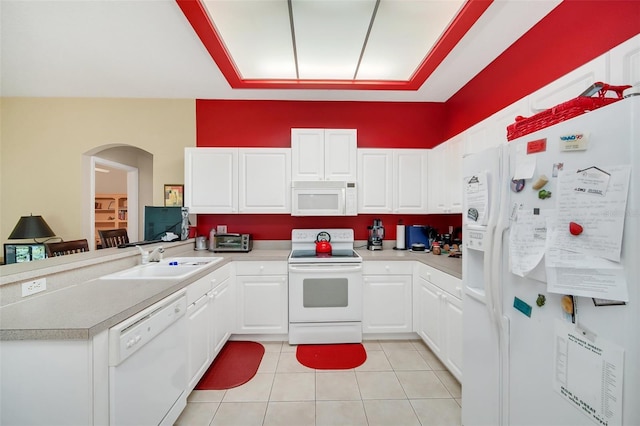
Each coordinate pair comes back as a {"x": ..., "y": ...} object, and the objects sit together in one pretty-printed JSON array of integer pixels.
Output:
[{"x": 31, "y": 227}]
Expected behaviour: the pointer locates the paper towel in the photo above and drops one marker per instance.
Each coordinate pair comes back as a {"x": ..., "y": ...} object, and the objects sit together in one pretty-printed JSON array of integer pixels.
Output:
[{"x": 400, "y": 237}]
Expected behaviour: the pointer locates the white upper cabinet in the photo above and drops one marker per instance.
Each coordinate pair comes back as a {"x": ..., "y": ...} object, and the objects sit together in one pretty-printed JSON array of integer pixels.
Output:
[
  {"x": 238, "y": 180},
  {"x": 210, "y": 177},
  {"x": 445, "y": 177},
  {"x": 410, "y": 177},
  {"x": 392, "y": 181},
  {"x": 265, "y": 180},
  {"x": 324, "y": 154},
  {"x": 375, "y": 180},
  {"x": 625, "y": 64}
]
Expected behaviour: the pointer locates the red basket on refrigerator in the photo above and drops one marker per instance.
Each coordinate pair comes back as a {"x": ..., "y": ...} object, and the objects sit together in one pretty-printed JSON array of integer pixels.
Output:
[{"x": 584, "y": 103}]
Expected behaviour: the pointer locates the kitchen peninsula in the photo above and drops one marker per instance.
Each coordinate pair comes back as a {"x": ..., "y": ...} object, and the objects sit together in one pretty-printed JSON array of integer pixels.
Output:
[{"x": 71, "y": 321}]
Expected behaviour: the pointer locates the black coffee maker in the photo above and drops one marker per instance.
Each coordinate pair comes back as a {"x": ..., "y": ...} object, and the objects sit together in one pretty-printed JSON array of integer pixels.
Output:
[{"x": 376, "y": 234}]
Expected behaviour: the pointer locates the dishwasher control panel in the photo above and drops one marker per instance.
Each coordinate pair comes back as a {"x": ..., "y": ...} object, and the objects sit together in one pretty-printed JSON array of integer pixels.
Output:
[{"x": 133, "y": 333}]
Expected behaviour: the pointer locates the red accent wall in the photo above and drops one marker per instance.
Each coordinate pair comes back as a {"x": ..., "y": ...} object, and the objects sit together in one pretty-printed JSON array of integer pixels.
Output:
[
  {"x": 574, "y": 33},
  {"x": 245, "y": 123},
  {"x": 278, "y": 227},
  {"x": 571, "y": 35}
]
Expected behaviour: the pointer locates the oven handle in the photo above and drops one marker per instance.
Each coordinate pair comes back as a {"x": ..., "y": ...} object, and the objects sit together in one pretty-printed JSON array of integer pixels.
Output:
[{"x": 325, "y": 268}]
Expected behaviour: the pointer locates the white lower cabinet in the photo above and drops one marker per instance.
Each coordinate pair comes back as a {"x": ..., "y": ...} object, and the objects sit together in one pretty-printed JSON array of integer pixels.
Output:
[
  {"x": 210, "y": 321},
  {"x": 222, "y": 299},
  {"x": 198, "y": 326},
  {"x": 262, "y": 298},
  {"x": 386, "y": 306},
  {"x": 438, "y": 315},
  {"x": 199, "y": 354}
]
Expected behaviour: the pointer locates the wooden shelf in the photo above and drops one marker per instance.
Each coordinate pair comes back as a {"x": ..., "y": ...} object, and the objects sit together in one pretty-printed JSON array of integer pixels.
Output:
[{"x": 111, "y": 211}]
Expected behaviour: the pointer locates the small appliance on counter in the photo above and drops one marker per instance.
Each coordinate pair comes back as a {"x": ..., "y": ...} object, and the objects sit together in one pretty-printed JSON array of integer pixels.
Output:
[
  {"x": 419, "y": 237},
  {"x": 376, "y": 235},
  {"x": 200, "y": 243},
  {"x": 230, "y": 243}
]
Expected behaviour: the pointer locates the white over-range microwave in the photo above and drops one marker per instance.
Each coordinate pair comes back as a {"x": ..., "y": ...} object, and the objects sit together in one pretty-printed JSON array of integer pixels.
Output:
[{"x": 324, "y": 198}]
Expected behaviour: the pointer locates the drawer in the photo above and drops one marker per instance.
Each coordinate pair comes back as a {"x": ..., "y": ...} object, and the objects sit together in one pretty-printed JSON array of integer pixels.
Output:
[
  {"x": 219, "y": 275},
  {"x": 261, "y": 268},
  {"x": 197, "y": 289},
  {"x": 444, "y": 281},
  {"x": 387, "y": 268}
]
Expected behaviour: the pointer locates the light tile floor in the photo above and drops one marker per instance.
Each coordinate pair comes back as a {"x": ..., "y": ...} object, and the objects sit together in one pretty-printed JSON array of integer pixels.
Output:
[{"x": 401, "y": 383}]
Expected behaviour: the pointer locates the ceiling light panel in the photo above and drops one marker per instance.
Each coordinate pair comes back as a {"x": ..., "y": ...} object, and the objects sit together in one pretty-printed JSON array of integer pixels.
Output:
[
  {"x": 257, "y": 36},
  {"x": 403, "y": 33},
  {"x": 329, "y": 36}
]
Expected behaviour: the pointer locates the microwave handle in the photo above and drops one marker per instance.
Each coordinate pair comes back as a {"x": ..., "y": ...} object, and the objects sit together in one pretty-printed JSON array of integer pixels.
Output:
[{"x": 228, "y": 235}]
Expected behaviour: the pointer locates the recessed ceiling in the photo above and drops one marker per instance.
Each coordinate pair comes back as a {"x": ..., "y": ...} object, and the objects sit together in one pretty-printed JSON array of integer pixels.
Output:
[
  {"x": 375, "y": 44},
  {"x": 167, "y": 49}
]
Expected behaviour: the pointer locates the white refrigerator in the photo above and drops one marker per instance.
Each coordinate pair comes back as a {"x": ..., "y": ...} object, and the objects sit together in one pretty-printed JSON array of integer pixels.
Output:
[{"x": 532, "y": 355}]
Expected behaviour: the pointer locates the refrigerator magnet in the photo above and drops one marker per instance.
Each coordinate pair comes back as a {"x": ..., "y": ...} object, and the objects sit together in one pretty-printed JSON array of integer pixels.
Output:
[
  {"x": 517, "y": 185},
  {"x": 522, "y": 306}
]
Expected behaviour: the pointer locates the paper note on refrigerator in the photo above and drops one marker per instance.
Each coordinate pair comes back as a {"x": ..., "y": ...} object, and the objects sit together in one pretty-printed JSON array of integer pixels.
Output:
[
  {"x": 527, "y": 241},
  {"x": 598, "y": 206},
  {"x": 588, "y": 374},
  {"x": 476, "y": 193},
  {"x": 579, "y": 274}
]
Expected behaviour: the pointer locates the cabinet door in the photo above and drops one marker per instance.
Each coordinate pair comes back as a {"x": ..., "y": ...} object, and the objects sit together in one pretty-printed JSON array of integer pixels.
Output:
[
  {"x": 307, "y": 148},
  {"x": 211, "y": 183},
  {"x": 453, "y": 175},
  {"x": 198, "y": 326},
  {"x": 265, "y": 180},
  {"x": 436, "y": 181},
  {"x": 262, "y": 304},
  {"x": 375, "y": 180},
  {"x": 624, "y": 61},
  {"x": 387, "y": 304},
  {"x": 445, "y": 177},
  {"x": 452, "y": 353},
  {"x": 340, "y": 152},
  {"x": 410, "y": 181},
  {"x": 222, "y": 313},
  {"x": 430, "y": 317}
]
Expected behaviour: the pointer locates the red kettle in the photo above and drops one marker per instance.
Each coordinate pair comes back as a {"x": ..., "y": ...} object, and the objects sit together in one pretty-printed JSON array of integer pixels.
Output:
[{"x": 322, "y": 243}]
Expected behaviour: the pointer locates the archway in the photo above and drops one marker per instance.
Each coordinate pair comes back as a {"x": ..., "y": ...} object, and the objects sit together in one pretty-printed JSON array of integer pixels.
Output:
[{"x": 138, "y": 165}]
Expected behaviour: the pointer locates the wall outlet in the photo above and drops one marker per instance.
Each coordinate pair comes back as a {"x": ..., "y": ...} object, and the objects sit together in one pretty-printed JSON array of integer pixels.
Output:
[{"x": 33, "y": 287}]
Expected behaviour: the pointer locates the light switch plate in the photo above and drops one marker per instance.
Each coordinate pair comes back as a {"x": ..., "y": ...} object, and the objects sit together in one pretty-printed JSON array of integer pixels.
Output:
[{"x": 33, "y": 287}]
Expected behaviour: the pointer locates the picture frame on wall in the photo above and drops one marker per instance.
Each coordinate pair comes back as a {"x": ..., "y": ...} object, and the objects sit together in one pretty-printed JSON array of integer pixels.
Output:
[{"x": 173, "y": 195}]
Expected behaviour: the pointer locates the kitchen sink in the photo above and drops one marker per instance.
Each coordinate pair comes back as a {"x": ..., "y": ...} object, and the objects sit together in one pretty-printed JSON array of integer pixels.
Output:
[{"x": 171, "y": 268}]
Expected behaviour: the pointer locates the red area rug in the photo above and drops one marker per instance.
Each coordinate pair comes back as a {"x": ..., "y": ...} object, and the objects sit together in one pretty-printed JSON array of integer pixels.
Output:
[
  {"x": 235, "y": 365},
  {"x": 331, "y": 357}
]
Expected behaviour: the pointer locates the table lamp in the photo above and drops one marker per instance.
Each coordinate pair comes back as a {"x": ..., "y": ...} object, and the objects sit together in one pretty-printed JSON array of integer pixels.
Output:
[{"x": 31, "y": 227}]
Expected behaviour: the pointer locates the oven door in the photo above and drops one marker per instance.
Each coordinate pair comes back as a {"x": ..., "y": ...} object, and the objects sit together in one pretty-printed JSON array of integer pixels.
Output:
[{"x": 327, "y": 292}]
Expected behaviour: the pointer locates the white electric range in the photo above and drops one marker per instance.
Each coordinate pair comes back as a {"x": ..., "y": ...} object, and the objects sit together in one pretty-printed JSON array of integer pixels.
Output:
[{"x": 325, "y": 289}]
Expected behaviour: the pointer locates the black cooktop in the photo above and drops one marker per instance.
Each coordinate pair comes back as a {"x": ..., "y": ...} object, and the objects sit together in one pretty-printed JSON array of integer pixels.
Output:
[{"x": 335, "y": 254}]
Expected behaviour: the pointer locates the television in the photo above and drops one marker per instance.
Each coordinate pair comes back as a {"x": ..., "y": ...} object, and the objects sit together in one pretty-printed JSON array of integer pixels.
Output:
[
  {"x": 23, "y": 252},
  {"x": 160, "y": 220}
]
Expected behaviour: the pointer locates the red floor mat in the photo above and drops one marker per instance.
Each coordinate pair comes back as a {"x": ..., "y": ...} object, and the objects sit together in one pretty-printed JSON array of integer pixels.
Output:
[
  {"x": 235, "y": 365},
  {"x": 331, "y": 357}
]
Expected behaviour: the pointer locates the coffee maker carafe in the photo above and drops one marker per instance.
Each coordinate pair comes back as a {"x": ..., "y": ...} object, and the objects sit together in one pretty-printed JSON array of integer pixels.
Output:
[{"x": 376, "y": 234}]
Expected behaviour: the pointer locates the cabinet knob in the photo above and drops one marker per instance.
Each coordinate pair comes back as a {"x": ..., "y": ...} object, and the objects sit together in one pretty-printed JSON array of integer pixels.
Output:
[{"x": 387, "y": 267}]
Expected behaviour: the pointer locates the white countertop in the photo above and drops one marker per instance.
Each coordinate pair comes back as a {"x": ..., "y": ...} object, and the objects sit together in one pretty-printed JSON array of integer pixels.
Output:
[{"x": 82, "y": 310}]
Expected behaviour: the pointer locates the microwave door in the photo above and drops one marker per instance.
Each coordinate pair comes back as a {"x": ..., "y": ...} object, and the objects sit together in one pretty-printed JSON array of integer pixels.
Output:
[{"x": 318, "y": 202}]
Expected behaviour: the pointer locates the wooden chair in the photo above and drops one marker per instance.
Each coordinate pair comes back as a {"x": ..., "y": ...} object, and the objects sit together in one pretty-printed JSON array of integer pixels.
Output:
[
  {"x": 66, "y": 247},
  {"x": 113, "y": 237}
]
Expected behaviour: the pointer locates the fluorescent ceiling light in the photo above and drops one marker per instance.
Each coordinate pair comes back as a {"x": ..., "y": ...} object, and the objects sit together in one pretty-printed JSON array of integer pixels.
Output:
[{"x": 379, "y": 40}]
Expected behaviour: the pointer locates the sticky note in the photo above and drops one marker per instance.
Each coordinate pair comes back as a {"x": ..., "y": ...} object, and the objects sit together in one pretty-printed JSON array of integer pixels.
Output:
[{"x": 522, "y": 306}]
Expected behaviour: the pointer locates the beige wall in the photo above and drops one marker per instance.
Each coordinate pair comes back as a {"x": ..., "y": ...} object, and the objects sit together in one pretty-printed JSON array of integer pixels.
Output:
[{"x": 42, "y": 141}]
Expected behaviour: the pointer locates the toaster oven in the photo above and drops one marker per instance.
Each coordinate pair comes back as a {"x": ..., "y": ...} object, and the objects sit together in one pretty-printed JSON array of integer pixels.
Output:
[{"x": 231, "y": 243}]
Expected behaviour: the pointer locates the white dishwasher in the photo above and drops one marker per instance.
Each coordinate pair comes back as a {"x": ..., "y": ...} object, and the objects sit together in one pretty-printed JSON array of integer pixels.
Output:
[{"x": 148, "y": 365}]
